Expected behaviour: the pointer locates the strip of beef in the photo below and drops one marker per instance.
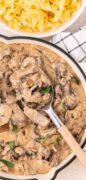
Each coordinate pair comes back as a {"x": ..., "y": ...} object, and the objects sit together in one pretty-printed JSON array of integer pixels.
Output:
[
  {"x": 36, "y": 117},
  {"x": 18, "y": 117},
  {"x": 5, "y": 113}
]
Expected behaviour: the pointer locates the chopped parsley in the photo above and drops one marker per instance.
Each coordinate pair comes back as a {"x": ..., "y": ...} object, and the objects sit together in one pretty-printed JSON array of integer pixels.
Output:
[
  {"x": 11, "y": 144},
  {"x": 57, "y": 140},
  {"x": 42, "y": 140},
  {"x": 46, "y": 90},
  {"x": 63, "y": 107},
  {"x": 14, "y": 128},
  {"x": 7, "y": 163}
]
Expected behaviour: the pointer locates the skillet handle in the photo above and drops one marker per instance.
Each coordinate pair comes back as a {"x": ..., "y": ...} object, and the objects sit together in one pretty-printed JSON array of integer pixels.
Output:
[{"x": 73, "y": 144}]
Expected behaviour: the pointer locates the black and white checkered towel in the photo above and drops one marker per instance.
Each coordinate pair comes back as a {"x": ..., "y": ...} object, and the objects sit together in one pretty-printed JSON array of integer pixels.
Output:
[{"x": 74, "y": 44}]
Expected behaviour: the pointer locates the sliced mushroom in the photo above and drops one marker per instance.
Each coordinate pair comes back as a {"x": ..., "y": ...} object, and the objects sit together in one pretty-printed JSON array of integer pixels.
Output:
[
  {"x": 76, "y": 79},
  {"x": 58, "y": 91},
  {"x": 16, "y": 77},
  {"x": 5, "y": 149},
  {"x": 18, "y": 152},
  {"x": 67, "y": 87},
  {"x": 15, "y": 61},
  {"x": 3, "y": 120},
  {"x": 61, "y": 69},
  {"x": 18, "y": 117},
  {"x": 76, "y": 118},
  {"x": 45, "y": 153},
  {"x": 36, "y": 97},
  {"x": 30, "y": 81},
  {"x": 36, "y": 117},
  {"x": 7, "y": 51},
  {"x": 46, "y": 132},
  {"x": 31, "y": 153},
  {"x": 57, "y": 102},
  {"x": 70, "y": 101},
  {"x": 5, "y": 113},
  {"x": 5, "y": 89},
  {"x": 65, "y": 84},
  {"x": 10, "y": 99},
  {"x": 44, "y": 78},
  {"x": 54, "y": 159},
  {"x": 27, "y": 61}
]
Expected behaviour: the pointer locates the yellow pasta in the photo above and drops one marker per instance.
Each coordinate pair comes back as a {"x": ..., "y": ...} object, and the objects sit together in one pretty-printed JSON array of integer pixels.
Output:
[{"x": 37, "y": 15}]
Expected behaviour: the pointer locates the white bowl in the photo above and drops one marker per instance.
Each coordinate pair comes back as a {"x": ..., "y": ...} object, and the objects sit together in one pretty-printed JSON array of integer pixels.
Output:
[
  {"x": 64, "y": 26},
  {"x": 55, "y": 170}
]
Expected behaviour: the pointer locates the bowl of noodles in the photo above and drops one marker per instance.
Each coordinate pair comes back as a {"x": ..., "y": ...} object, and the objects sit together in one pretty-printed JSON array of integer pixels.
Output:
[{"x": 39, "y": 18}]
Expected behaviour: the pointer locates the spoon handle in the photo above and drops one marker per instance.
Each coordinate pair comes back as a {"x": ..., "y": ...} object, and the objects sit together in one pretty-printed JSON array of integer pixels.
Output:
[
  {"x": 81, "y": 155},
  {"x": 66, "y": 134}
]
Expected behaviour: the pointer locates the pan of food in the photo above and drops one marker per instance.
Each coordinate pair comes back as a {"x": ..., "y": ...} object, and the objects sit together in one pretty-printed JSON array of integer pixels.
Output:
[{"x": 30, "y": 144}]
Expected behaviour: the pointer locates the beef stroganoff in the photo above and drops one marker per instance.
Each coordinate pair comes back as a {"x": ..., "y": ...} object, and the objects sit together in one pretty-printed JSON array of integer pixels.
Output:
[{"x": 29, "y": 141}]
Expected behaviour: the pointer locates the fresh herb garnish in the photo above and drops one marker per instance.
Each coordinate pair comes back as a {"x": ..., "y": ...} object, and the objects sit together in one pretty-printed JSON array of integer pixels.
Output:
[
  {"x": 11, "y": 145},
  {"x": 63, "y": 107},
  {"x": 42, "y": 139},
  {"x": 57, "y": 140},
  {"x": 45, "y": 90},
  {"x": 7, "y": 163},
  {"x": 14, "y": 128}
]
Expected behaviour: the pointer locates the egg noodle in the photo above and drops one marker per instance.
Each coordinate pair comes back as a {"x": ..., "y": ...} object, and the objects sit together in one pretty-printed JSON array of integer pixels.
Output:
[{"x": 37, "y": 15}]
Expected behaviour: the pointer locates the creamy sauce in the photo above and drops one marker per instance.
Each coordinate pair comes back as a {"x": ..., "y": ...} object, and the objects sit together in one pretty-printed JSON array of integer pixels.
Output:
[{"x": 28, "y": 138}]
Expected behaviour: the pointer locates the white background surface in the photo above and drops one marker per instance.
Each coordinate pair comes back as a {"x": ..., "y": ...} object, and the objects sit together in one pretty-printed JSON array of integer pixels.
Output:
[
  {"x": 75, "y": 171},
  {"x": 80, "y": 22}
]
